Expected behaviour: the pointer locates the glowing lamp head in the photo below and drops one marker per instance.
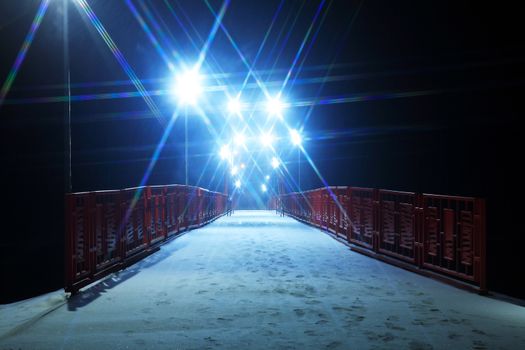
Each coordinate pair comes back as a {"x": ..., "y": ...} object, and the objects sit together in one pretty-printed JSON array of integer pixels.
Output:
[
  {"x": 295, "y": 137},
  {"x": 264, "y": 188},
  {"x": 274, "y": 106},
  {"x": 267, "y": 139},
  {"x": 188, "y": 87},
  {"x": 275, "y": 163},
  {"x": 238, "y": 184},
  {"x": 234, "y": 106},
  {"x": 240, "y": 140},
  {"x": 225, "y": 152},
  {"x": 267, "y": 177},
  {"x": 234, "y": 171}
]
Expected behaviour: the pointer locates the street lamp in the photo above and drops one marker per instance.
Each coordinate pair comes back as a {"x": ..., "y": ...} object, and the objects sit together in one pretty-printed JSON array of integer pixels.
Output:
[
  {"x": 67, "y": 116},
  {"x": 240, "y": 140},
  {"x": 225, "y": 153},
  {"x": 275, "y": 162},
  {"x": 266, "y": 139},
  {"x": 187, "y": 89},
  {"x": 234, "y": 106},
  {"x": 274, "y": 106},
  {"x": 296, "y": 139}
]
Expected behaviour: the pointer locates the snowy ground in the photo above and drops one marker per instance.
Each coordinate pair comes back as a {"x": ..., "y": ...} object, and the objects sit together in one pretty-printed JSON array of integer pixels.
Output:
[{"x": 258, "y": 281}]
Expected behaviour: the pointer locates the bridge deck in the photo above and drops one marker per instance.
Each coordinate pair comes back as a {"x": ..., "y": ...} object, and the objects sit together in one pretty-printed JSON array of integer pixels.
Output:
[{"x": 257, "y": 280}]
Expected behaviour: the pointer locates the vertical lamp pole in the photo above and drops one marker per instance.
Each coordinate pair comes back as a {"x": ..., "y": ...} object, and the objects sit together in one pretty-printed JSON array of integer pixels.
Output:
[
  {"x": 299, "y": 167},
  {"x": 186, "y": 145},
  {"x": 187, "y": 89},
  {"x": 67, "y": 115},
  {"x": 296, "y": 141}
]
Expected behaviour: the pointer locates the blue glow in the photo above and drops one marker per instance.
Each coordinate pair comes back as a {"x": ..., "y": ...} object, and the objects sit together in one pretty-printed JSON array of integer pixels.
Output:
[{"x": 188, "y": 87}]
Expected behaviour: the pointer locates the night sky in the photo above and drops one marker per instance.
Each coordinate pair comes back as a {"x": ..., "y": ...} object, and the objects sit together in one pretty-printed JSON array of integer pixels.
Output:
[{"x": 419, "y": 96}]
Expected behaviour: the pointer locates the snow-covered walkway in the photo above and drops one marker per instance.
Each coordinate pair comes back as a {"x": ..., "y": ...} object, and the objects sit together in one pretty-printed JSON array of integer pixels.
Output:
[{"x": 259, "y": 281}]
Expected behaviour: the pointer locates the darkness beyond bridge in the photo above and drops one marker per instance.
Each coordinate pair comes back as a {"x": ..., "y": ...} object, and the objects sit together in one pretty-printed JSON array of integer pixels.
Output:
[{"x": 259, "y": 280}]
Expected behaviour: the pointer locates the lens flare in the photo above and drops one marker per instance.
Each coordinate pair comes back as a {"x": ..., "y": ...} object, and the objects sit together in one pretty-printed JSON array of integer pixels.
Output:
[
  {"x": 23, "y": 50},
  {"x": 267, "y": 139},
  {"x": 188, "y": 87},
  {"x": 295, "y": 137},
  {"x": 225, "y": 152},
  {"x": 234, "y": 106},
  {"x": 274, "y": 107}
]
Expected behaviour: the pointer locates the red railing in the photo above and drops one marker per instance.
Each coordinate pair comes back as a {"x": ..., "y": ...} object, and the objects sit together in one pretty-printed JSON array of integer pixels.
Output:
[
  {"x": 440, "y": 236},
  {"x": 108, "y": 230}
]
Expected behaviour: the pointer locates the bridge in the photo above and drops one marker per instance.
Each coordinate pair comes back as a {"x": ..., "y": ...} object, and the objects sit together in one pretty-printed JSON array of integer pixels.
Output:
[
  {"x": 201, "y": 276},
  {"x": 136, "y": 148}
]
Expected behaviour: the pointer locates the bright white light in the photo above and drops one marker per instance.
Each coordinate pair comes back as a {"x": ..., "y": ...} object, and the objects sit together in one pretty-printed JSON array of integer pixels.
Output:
[
  {"x": 264, "y": 188},
  {"x": 275, "y": 163},
  {"x": 243, "y": 166},
  {"x": 234, "y": 106},
  {"x": 225, "y": 152},
  {"x": 234, "y": 171},
  {"x": 274, "y": 106},
  {"x": 240, "y": 140},
  {"x": 188, "y": 87},
  {"x": 296, "y": 137},
  {"x": 238, "y": 184},
  {"x": 266, "y": 139},
  {"x": 267, "y": 177}
]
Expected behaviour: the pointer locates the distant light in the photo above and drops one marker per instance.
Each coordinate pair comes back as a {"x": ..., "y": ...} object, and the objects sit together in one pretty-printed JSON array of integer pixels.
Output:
[
  {"x": 188, "y": 87},
  {"x": 275, "y": 163},
  {"x": 238, "y": 184},
  {"x": 264, "y": 188},
  {"x": 296, "y": 137},
  {"x": 267, "y": 177},
  {"x": 266, "y": 139},
  {"x": 240, "y": 139},
  {"x": 243, "y": 166},
  {"x": 225, "y": 152},
  {"x": 234, "y": 106},
  {"x": 274, "y": 106},
  {"x": 234, "y": 171}
]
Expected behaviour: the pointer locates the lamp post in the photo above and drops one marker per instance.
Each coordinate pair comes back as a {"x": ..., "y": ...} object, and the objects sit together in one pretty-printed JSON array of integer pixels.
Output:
[
  {"x": 186, "y": 145},
  {"x": 187, "y": 89},
  {"x": 296, "y": 141},
  {"x": 280, "y": 185},
  {"x": 299, "y": 168},
  {"x": 67, "y": 115}
]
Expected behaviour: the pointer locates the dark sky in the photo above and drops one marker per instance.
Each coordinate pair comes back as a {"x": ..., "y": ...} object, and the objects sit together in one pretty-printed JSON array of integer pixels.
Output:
[{"x": 432, "y": 94}]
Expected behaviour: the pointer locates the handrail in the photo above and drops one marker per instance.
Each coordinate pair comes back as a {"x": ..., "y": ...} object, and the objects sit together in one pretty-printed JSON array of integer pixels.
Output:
[
  {"x": 437, "y": 235},
  {"x": 109, "y": 230}
]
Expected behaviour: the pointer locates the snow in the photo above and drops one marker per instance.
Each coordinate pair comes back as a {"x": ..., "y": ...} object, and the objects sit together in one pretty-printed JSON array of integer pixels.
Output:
[
  {"x": 15, "y": 316},
  {"x": 257, "y": 280}
]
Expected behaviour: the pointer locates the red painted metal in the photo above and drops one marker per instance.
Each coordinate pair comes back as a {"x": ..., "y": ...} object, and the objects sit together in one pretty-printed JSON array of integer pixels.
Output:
[
  {"x": 397, "y": 224},
  {"x": 362, "y": 216},
  {"x": 453, "y": 236},
  {"x": 426, "y": 233},
  {"x": 108, "y": 230}
]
